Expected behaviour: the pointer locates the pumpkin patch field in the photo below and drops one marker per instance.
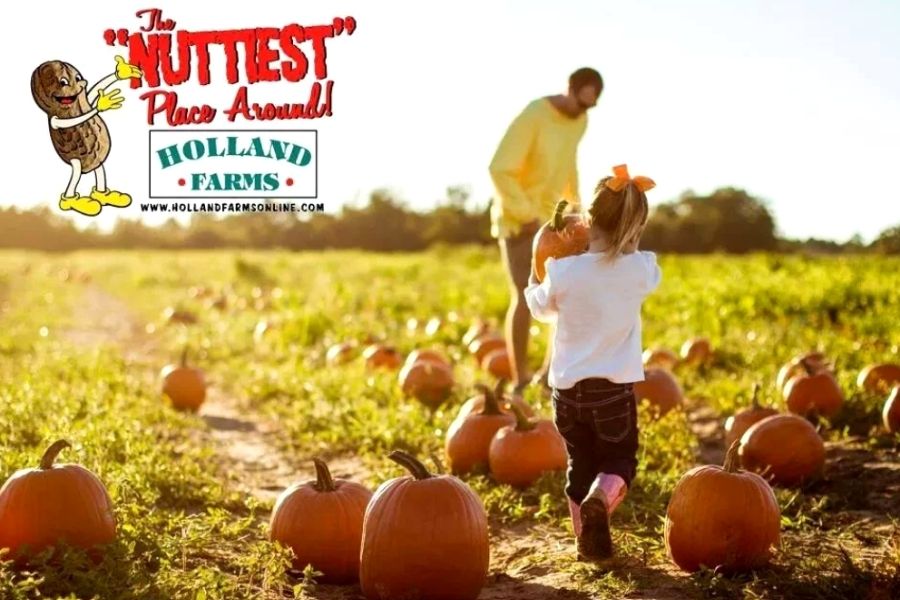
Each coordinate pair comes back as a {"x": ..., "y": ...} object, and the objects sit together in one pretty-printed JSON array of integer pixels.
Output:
[{"x": 335, "y": 425}]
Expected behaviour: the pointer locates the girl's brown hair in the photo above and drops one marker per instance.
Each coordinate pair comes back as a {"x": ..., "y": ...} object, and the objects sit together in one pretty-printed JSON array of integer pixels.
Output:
[{"x": 620, "y": 214}]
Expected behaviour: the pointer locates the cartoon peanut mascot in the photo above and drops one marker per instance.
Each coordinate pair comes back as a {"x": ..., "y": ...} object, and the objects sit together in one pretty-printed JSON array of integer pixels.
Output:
[{"x": 77, "y": 130}]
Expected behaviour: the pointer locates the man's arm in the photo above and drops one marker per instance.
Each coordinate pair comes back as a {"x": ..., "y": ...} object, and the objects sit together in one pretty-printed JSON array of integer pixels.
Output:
[{"x": 508, "y": 162}]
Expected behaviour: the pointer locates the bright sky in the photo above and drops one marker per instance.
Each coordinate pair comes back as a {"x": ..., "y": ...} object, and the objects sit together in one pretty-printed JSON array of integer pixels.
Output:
[{"x": 798, "y": 102}]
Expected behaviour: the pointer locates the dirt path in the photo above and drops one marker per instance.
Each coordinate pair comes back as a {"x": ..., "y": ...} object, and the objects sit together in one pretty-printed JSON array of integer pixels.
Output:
[
  {"x": 707, "y": 426},
  {"x": 249, "y": 461}
]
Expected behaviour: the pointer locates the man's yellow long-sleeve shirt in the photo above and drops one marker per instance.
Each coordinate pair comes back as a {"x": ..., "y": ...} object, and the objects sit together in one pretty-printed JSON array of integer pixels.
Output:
[{"x": 535, "y": 167}]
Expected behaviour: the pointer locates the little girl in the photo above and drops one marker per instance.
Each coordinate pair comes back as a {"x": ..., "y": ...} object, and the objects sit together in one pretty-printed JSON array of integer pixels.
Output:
[{"x": 595, "y": 299}]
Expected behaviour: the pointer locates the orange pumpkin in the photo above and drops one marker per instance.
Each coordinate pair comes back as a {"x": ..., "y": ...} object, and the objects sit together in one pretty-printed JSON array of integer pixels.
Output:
[
  {"x": 484, "y": 345},
  {"x": 184, "y": 386},
  {"x": 427, "y": 356},
  {"x": 476, "y": 403},
  {"x": 660, "y": 389},
  {"x": 891, "y": 412},
  {"x": 322, "y": 522},
  {"x": 428, "y": 382},
  {"x": 817, "y": 361},
  {"x": 660, "y": 357},
  {"x": 879, "y": 378},
  {"x": 174, "y": 316},
  {"x": 339, "y": 354},
  {"x": 380, "y": 356},
  {"x": 497, "y": 364},
  {"x": 816, "y": 391},
  {"x": 559, "y": 237},
  {"x": 469, "y": 436},
  {"x": 53, "y": 504},
  {"x": 521, "y": 453},
  {"x": 199, "y": 291},
  {"x": 424, "y": 536},
  {"x": 696, "y": 351},
  {"x": 737, "y": 424},
  {"x": 220, "y": 303},
  {"x": 722, "y": 518},
  {"x": 785, "y": 449}
]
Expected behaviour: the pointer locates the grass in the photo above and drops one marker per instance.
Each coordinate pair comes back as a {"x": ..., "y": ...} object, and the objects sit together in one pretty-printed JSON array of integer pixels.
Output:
[{"x": 184, "y": 534}]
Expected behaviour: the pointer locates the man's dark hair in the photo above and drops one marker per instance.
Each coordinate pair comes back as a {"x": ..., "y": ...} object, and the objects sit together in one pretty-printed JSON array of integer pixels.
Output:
[{"x": 585, "y": 76}]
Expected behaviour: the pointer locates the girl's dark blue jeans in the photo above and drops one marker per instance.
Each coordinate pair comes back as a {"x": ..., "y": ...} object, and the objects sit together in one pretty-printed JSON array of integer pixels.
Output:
[{"x": 598, "y": 419}]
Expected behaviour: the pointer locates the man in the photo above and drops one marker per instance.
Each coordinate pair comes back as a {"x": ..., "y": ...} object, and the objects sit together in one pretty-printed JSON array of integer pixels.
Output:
[{"x": 534, "y": 167}]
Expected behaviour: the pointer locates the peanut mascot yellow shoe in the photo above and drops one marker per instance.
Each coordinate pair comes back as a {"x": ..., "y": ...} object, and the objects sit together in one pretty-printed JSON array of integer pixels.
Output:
[
  {"x": 111, "y": 198},
  {"x": 80, "y": 204}
]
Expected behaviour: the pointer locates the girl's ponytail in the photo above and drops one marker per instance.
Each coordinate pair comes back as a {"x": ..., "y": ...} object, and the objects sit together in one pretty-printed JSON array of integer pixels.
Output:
[{"x": 620, "y": 208}]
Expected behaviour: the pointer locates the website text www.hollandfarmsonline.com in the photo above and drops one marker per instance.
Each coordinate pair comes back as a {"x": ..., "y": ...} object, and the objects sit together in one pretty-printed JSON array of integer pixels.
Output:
[{"x": 232, "y": 207}]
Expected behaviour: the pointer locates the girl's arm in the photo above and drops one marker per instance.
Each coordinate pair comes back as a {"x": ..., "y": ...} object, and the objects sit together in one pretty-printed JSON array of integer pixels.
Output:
[{"x": 541, "y": 297}]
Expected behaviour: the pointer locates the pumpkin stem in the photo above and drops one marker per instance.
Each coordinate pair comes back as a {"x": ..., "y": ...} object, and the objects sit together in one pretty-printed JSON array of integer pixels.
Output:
[
  {"x": 522, "y": 422},
  {"x": 184, "y": 357},
  {"x": 491, "y": 407},
  {"x": 732, "y": 460},
  {"x": 754, "y": 402},
  {"x": 411, "y": 464},
  {"x": 324, "y": 481},
  {"x": 499, "y": 388},
  {"x": 52, "y": 452},
  {"x": 557, "y": 223},
  {"x": 807, "y": 366},
  {"x": 438, "y": 463}
]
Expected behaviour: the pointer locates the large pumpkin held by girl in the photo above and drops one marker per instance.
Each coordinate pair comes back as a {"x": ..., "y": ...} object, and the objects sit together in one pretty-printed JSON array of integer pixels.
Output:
[
  {"x": 559, "y": 237},
  {"x": 53, "y": 504},
  {"x": 425, "y": 536},
  {"x": 722, "y": 518},
  {"x": 322, "y": 521}
]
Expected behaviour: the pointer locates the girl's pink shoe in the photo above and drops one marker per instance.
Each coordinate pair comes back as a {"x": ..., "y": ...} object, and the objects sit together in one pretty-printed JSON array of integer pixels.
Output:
[
  {"x": 575, "y": 512},
  {"x": 607, "y": 492},
  {"x": 614, "y": 489}
]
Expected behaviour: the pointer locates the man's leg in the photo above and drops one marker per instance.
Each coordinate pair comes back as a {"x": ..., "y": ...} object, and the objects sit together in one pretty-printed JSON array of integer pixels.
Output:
[
  {"x": 540, "y": 378},
  {"x": 516, "y": 253}
]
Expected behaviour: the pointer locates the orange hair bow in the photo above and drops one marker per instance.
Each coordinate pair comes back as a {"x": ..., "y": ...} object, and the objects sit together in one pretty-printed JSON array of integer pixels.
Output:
[{"x": 621, "y": 177}]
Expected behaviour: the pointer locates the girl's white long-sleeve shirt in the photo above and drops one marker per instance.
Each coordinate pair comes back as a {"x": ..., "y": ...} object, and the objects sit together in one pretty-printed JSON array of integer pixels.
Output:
[{"x": 596, "y": 305}]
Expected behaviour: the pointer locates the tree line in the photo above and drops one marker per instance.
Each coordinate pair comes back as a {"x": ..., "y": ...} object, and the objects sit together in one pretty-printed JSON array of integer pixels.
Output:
[{"x": 729, "y": 221}]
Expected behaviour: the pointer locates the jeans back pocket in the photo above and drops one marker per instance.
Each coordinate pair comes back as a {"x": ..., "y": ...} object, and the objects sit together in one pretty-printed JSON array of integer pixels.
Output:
[{"x": 612, "y": 422}]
